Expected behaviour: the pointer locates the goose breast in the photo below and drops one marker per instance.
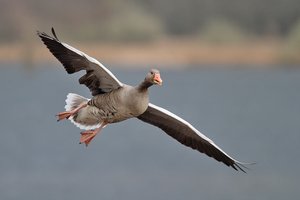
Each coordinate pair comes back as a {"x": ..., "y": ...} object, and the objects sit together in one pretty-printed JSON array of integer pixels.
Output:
[{"x": 121, "y": 104}]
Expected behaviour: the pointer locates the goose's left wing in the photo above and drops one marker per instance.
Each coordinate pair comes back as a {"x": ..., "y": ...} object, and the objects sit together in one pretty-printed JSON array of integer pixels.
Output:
[{"x": 186, "y": 134}]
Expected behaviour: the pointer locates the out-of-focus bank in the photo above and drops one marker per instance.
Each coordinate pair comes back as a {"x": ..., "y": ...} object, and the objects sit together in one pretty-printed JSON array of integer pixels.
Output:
[
  {"x": 170, "y": 53},
  {"x": 173, "y": 33}
]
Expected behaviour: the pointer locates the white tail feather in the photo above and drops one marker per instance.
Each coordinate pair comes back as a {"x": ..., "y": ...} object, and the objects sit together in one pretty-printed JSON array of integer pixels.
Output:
[{"x": 73, "y": 101}]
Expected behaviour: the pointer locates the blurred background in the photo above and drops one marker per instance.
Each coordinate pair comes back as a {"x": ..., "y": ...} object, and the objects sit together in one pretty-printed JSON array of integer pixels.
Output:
[
  {"x": 152, "y": 31},
  {"x": 230, "y": 68}
]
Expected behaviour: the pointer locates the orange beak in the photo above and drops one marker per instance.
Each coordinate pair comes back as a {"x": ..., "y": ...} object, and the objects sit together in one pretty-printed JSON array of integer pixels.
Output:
[{"x": 157, "y": 80}]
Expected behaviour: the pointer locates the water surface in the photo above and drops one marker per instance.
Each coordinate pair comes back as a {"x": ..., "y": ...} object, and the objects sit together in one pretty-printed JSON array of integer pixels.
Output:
[{"x": 253, "y": 115}]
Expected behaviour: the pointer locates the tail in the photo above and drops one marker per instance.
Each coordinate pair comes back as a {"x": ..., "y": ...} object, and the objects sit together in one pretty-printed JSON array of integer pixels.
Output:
[
  {"x": 83, "y": 119},
  {"x": 73, "y": 101}
]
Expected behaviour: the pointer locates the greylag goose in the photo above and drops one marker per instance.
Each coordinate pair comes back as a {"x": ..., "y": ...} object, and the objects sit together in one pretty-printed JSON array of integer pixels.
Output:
[{"x": 114, "y": 101}]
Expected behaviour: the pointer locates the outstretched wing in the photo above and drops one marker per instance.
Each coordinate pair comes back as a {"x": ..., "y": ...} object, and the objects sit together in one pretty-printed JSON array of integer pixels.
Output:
[
  {"x": 97, "y": 78},
  {"x": 186, "y": 134}
]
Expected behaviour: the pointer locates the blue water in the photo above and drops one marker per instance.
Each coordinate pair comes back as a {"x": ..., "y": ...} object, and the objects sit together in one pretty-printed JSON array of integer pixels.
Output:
[{"x": 253, "y": 115}]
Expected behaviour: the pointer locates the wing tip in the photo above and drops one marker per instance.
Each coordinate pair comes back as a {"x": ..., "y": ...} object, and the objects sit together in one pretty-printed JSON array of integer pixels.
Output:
[
  {"x": 241, "y": 166},
  {"x": 44, "y": 35},
  {"x": 41, "y": 34},
  {"x": 54, "y": 34}
]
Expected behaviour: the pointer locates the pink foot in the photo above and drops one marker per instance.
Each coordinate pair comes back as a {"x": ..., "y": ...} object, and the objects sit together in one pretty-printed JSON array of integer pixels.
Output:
[
  {"x": 88, "y": 136},
  {"x": 67, "y": 114},
  {"x": 64, "y": 115}
]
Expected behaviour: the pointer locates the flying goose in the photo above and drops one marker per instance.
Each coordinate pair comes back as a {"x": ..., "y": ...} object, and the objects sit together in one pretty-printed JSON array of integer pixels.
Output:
[{"x": 114, "y": 101}]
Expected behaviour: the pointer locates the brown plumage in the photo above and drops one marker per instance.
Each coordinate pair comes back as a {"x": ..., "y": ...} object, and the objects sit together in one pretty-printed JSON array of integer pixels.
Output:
[{"x": 114, "y": 101}]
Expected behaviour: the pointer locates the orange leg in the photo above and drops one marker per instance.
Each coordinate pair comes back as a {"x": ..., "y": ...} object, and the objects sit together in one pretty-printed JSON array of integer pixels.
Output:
[
  {"x": 88, "y": 136},
  {"x": 67, "y": 114}
]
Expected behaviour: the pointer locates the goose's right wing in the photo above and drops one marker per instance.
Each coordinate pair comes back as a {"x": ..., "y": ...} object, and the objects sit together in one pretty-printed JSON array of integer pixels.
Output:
[{"x": 97, "y": 78}]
